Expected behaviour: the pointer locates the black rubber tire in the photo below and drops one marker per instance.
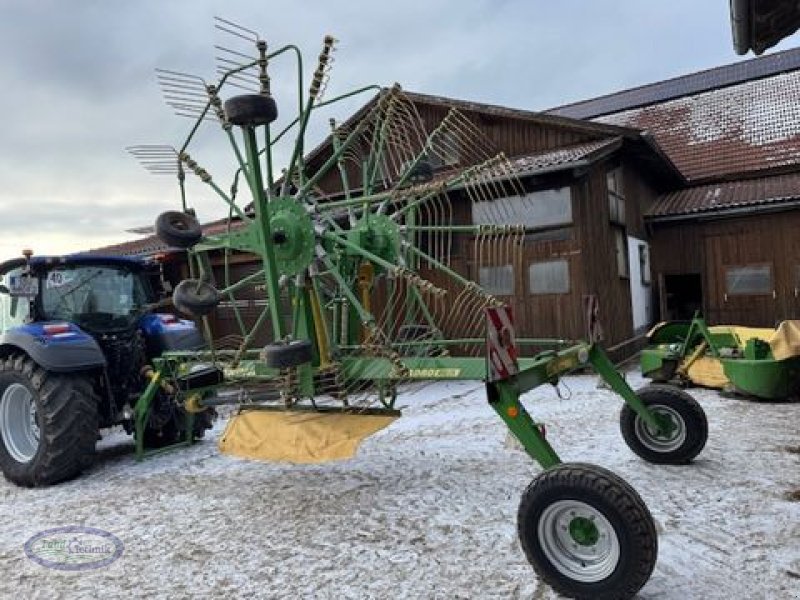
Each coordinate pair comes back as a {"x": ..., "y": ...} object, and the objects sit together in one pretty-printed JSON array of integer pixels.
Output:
[
  {"x": 621, "y": 506},
  {"x": 66, "y": 407},
  {"x": 285, "y": 356},
  {"x": 680, "y": 405},
  {"x": 251, "y": 110},
  {"x": 195, "y": 298},
  {"x": 178, "y": 229}
]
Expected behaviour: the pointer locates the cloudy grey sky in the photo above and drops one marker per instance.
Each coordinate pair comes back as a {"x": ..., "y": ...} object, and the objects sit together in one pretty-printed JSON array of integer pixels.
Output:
[{"x": 79, "y": 85}]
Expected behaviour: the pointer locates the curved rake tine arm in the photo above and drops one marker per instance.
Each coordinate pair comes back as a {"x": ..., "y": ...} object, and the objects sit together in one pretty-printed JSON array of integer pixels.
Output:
[
  {"x": 437, "y": 264},
  {"x": 378, "y": 144},
  {"x": 227, "y": 274},
  {"x": 333, "y": 160},
  {"x": 423, "y": 153},
  {"x": 380, "y": 262},
  {"x": 452, "y": 184},
  {"x": 208, "y": 105},
  {"x": 297, "y": 152},
  {"x": 423, "y": 306},
  {"x": 243, "y": 282},
  {"x": 254, "y": 330},
  {"x": 332, "y": 237},
  {"x": 229, "y": 201}
]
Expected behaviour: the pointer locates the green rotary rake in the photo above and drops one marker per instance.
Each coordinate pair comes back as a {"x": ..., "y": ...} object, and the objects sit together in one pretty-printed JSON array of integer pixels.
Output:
[{"x": 357, "y": 292}]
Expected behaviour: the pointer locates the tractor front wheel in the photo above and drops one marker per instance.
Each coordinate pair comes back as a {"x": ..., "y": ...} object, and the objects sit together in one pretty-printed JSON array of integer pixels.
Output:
[
  {"x": 686, "y": 430},
  {"x": 587, "y": 533},
  {"x": 48, "y": 423}
]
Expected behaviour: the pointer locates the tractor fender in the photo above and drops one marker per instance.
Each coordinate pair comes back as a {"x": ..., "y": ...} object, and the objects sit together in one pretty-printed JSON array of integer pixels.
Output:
[{"x": 60, "y": 348}]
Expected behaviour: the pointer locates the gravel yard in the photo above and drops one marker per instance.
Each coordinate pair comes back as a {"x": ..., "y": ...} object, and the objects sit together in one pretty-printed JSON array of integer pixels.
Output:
[{"x": 426, "y": 510}]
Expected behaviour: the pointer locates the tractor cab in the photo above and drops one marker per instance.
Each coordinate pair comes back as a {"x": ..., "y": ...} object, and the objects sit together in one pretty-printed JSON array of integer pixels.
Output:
[{"x": 98, "y": 294}]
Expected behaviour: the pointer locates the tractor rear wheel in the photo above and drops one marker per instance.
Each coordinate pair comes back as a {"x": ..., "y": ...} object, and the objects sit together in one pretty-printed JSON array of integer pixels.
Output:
[
  {"x": 48, "y": 423},
  {"x": 587, "y": 533},
  {"x": 689, "y": 426}
]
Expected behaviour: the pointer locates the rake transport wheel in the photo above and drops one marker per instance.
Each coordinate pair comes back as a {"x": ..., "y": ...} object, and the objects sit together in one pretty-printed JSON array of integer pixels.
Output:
[
  {"x": 251, "y": 109},
  {"x": 587, "y": 533},
  {"x": 285, "y": 356},
  {"x": 195, "y": 298},
  {"x": 689, "y": 426},
  {"x": 178, "y": 229},
  {"x": 48, "y": 423}
]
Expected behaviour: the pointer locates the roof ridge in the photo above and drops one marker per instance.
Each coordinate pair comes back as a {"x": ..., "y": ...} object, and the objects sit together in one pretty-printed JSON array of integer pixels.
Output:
[{"x": 694, "y": 83}]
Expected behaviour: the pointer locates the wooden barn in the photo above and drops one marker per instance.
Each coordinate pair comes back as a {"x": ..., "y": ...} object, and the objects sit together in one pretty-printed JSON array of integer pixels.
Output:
[
  {"x": 653, "y": 202},
  {"x": 726, "y": 243}
]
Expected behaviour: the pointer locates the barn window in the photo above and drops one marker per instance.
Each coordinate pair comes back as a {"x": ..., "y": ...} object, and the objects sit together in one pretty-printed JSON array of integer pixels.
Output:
[
  {"x": 621, "y": 249},
  {"x": 748, "y": 280},
  {"x": 535, "y": 210},
  {"x": 549, "y": 277},
  {"x": 616, "y": 196},
  {"x": 498, "y": 281}
]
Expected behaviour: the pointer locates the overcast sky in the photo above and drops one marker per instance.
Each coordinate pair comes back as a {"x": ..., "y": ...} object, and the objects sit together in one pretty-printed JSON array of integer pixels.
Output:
[{"x": 78, "y": 82}]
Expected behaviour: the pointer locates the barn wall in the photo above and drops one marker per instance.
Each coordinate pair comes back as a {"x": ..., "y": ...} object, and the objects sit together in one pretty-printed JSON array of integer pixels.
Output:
[{"x": 710, "y": 247}]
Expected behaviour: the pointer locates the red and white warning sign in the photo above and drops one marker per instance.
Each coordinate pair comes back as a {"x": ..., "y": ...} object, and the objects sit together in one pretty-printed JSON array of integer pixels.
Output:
[{"x": 501, "y": 348}]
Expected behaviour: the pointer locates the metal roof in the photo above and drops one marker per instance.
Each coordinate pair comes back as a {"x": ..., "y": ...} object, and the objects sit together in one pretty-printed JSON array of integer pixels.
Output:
[
  {"x": 685, "y": 85},
  {"x": 749, "y": 195}
]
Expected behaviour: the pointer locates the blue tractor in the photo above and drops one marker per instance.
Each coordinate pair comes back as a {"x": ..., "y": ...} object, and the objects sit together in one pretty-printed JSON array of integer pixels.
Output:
[{"x": 77, "y": 334}]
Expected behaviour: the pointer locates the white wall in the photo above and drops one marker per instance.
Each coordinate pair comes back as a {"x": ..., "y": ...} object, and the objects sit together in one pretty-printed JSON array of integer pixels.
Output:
[{"x": 641, "y": 294}]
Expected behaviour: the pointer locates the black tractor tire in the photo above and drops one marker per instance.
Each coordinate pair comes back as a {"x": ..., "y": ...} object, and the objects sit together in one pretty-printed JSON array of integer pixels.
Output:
[
  {"x": 285, "y": 356},
  {"x": 686, "y": 441},
  {"x": 251, "y": 110},
  {"x": 60, "y": 441},
  {"x": 195, "y": 298},
  {"x": 587, "y": 533},
  {"x": 178, "y": 229}
]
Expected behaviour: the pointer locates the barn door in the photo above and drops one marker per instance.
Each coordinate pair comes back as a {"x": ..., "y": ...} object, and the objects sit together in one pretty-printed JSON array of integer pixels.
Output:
[{"x": 741, "y": 281}]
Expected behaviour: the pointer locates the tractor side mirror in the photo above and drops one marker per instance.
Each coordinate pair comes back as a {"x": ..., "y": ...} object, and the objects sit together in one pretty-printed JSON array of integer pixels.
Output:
[
  {"x": 22, "y": 286},
  {"x": 4, "y": 289}
]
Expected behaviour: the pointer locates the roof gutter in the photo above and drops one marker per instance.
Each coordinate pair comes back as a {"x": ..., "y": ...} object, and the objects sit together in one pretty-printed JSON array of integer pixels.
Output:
[
  {"x": 741, "y": 26},
  {"x": 776, "y": 205}
]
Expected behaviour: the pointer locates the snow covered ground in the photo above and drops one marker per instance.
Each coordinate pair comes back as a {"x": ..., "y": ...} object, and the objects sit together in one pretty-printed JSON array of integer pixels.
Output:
[{"x": 426, "y": 510}]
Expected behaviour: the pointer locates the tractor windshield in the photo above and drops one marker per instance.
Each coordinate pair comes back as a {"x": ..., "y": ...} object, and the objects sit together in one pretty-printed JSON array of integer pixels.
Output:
[{"x": 98, "y": 298}]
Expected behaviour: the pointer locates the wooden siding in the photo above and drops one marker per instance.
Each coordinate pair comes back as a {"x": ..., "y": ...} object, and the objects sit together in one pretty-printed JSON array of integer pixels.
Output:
[
  {"x": 709, "y": 247},
  {"x": 600, "y": 274}
]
